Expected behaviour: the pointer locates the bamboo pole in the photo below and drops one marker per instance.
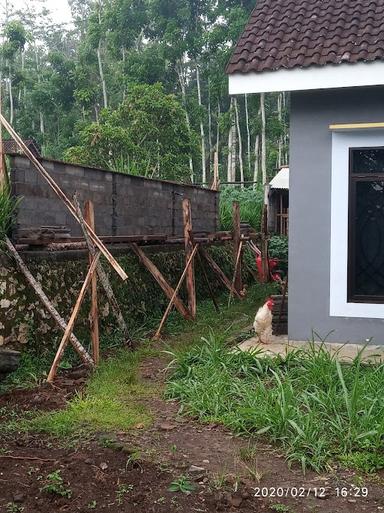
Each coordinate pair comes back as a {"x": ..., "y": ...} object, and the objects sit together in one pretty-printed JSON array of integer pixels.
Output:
[
  {"x": 48, "y": 305},
  {"x": 72, "y": 320},
  {"x": 103, "y": 277},
  {"x": 40, "y": 168},
  {"x": 89, "y": 215},
  {"x": 169, "y": 307}
]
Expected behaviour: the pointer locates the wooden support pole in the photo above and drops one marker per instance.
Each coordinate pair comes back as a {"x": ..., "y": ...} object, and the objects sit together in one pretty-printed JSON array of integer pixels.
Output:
[
  {"x": 48, "y": 305},
  {"x": 168, "y": 290},
  {"x": 219, "y": 272},
  {"x": 171, "y": 303},
  {"x": 103, "y": 277},
  {"x": 40, "y": 168},
  {"x": 72, "y": 320},
  {"x": 190, "y": 279},
  {"x": 237, "y": 252},
  {"x": 237, "y": 262},
  {"x": 89, "y": 215}
]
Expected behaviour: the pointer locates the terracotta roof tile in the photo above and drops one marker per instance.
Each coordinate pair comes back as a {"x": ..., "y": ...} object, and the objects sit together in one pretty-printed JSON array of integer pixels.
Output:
[{"x": 302, "y": 33}]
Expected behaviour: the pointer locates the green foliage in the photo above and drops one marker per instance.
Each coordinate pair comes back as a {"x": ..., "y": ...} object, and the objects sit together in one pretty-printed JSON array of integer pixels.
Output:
[
  {"x": 146, "y": 135},
  {"x": 182, "y": 485},
  {"x": 60, "y": 79},
  {"x": 251, "y": 206},
  {"x": 106, "y": 404},
  {"x": 55, "y": 485},
  {"x": 278, "y": 247},
  {"x": 318, "y": 409},
  {"x": 8, "y": 205}
]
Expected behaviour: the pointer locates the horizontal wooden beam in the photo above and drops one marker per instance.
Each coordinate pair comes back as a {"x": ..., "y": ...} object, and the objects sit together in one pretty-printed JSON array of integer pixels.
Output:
[{"x": 356, "y": 126}]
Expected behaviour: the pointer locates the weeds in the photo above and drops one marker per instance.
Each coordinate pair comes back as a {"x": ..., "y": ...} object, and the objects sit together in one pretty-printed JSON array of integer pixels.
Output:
[
  {"x": 12, "y": 507},
  {"x": 54, "y": 484},
  {"x": 182, "y": 485},
  {"x": 319, "y": 409},
  {"x": 121, "y": 492}
]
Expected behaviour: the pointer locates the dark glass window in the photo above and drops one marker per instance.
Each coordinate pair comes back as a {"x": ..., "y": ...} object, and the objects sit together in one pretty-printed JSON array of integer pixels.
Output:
[{"x": 366, "y": 225}]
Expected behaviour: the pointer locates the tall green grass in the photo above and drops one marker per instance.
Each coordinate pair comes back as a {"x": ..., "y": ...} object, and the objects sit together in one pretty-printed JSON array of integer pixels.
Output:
[
  {"x": 251, "y": 206},
  {"x": 318, "y": 409}
]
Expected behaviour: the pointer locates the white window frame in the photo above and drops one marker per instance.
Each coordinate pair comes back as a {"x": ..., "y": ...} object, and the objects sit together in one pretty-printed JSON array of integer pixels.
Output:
[{"x": 341, "y": 144}]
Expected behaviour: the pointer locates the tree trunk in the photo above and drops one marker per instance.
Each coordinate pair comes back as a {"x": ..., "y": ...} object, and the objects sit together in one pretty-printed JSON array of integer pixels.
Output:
[
  {"x": 248, "y": 132},
  {"x": 179, "y": 69},
  {"x": 102, "y": 78},
  {"x": 256, "y": 165},
  {"x": 241, "y": 165},
  {"x": 263, "y": 140},
  {"x": 231, "y": 168},
  {"x": 202, "y": 132}
]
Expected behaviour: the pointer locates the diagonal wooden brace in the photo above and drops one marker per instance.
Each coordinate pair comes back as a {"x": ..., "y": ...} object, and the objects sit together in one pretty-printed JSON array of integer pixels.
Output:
[
  {"x": 48, "y": 305},
  {"x": 40, "y": 168},
  {"x": 167, "y": 288},
  {"x": 219, "y": 272},
  {"x": 72, "y": 320}
]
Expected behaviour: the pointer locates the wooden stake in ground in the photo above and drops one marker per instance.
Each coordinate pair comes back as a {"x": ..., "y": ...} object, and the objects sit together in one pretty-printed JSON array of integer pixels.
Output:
[
  {"x": 171, "y": 303},
  {"x": 86, "y": 358},
  {"x": 237, "y": 253},
  {"x": 237, "y": 263},
  {"x": 89, "y": 215},
  {"x": 103, "y": 277},
  {"x": 168, "y": 290},
  {"x": 40, "y": 168},
  {"x": 72, "y": 320},
  {"x": 190, "y": 280}
]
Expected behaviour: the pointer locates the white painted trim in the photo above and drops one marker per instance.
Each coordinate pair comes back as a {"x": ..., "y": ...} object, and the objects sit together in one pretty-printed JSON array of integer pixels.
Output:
[
  {"x": 341, "y": 142},
  {"x": 304, "y": 79}
]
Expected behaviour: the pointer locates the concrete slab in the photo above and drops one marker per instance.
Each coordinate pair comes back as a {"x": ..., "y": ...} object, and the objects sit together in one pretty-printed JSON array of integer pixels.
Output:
[{"x": 344, "y": 352}]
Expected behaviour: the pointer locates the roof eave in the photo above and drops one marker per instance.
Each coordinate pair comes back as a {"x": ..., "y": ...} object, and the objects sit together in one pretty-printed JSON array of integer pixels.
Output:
[{"x": 311, "y": 78}]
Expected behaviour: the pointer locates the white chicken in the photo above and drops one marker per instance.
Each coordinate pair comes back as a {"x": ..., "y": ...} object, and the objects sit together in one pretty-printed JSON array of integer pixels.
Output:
[{"x": 263, "y": 322}]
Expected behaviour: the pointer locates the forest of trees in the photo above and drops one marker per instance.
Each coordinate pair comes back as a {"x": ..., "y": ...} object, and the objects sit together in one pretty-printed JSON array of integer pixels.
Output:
[{"x": 139, "y": 86}]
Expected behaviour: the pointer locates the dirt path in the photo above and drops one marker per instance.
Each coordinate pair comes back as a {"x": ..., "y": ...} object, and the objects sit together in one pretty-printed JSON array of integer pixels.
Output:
[{"x": 133, "y": 472}]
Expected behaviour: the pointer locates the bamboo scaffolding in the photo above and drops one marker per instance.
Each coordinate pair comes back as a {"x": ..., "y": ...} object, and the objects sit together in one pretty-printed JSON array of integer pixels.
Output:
[
  {"x": 40, "y": 168},
  {"x": 86, "y": 358},
  {"x": 219, "y": 272},
  {"x": 169, "y": 307},
  {"x": 72, "y": 320}
]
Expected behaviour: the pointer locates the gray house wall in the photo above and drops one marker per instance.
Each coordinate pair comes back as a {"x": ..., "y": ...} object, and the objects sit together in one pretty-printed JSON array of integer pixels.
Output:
[
  {"x": 124, "y": 204},
  {"x": 310, "y": 211}
]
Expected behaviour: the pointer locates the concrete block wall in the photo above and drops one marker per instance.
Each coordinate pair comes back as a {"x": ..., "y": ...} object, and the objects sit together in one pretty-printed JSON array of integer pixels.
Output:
[{"x": 124, "y": 204}]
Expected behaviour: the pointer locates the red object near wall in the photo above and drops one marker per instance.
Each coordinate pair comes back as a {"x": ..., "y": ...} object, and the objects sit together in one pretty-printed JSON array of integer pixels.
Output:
[{"x": 272, "y": 264}]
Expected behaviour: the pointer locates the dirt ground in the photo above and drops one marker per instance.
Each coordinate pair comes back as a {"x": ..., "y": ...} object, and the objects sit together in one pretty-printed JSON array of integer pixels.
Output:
[{"x": 132, "y": 472}]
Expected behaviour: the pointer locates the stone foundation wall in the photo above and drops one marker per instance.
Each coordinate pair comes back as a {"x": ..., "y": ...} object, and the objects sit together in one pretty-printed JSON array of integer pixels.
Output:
[{"x": 24, "y": 321}]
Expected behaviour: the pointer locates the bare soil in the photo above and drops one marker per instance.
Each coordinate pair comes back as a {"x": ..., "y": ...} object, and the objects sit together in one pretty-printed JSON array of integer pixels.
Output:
[{"x": 132, "y": 472}]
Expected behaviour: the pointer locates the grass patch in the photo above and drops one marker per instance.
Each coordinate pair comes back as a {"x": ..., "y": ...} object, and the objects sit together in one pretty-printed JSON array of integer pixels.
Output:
[
  {"x": 110, "y": 402},
  {"x": 319, "y": 410}
]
